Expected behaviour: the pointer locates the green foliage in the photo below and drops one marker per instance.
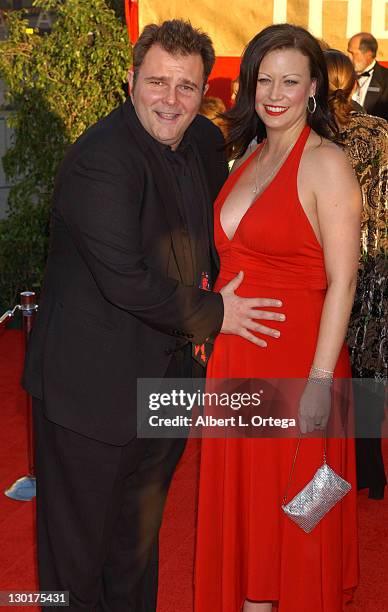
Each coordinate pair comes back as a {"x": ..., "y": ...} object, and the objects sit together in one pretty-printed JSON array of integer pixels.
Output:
[
  {"x": 118, "y": 7},
  {"x": 59, "y": 84}
]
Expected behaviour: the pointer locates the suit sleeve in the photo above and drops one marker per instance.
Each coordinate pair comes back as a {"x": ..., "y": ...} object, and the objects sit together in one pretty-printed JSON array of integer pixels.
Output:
[{"x": 101, "y": 207}]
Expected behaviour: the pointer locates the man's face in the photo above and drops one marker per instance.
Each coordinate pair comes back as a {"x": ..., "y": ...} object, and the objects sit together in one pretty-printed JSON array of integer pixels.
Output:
[
  {"x": 167, "y": 94},
  {"x": 360, "y": 59}
]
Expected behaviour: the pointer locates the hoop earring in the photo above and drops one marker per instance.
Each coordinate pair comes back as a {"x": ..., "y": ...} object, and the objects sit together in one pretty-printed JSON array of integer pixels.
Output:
[{"x": 311, "y": 111}]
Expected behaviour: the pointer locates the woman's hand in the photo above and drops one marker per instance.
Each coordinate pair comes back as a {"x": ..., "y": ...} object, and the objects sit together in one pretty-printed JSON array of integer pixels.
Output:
[{"x": 314, "y": 407}]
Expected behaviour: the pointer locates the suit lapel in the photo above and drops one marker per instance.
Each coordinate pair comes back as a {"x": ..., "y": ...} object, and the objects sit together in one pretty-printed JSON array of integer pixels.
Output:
[
  {"x": 207, "y": 204},
  {"x": 374, "y": 90},
  {"x": 179, "y": 234}
]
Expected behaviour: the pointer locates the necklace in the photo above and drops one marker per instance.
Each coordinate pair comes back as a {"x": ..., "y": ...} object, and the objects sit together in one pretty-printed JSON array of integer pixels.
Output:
[{"x": 259, "y": 186}]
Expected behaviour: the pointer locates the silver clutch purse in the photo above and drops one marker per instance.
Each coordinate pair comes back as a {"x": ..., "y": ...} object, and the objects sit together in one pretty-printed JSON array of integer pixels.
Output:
[{"x": 319, "y": 496}]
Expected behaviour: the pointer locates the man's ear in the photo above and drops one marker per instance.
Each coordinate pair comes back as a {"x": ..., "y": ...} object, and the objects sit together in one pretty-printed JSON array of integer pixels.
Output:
[
  {"x": 130, "y": 81},
  {"x": 205, "y": 89}
]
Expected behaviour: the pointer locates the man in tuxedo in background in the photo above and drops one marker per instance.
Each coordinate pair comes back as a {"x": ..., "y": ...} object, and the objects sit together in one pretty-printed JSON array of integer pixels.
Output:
[
  {"x": 372, "y": 92},
  {"x": 131, "y": 243}
]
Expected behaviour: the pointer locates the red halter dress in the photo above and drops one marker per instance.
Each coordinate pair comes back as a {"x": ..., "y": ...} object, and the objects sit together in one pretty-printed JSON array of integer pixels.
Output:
[{"x": 247, "y": 548}]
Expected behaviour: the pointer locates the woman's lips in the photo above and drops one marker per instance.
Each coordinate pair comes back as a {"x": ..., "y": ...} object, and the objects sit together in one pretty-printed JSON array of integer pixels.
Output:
[{"x": 275, "y": 111}]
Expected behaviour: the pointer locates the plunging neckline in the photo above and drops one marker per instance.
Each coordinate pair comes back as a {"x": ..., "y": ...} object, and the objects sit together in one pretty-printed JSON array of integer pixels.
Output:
[{"x": 240, "y": 170}]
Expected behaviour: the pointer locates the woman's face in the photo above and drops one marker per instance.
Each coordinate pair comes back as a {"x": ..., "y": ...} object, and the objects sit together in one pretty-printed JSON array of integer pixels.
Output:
[{"x": 283, "y": 88}]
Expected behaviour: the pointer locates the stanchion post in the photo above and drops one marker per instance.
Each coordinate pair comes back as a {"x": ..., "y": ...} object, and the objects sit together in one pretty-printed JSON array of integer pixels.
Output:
[
  {"x": 28, "y": 308},
  {"x": 24, "y": 489}
]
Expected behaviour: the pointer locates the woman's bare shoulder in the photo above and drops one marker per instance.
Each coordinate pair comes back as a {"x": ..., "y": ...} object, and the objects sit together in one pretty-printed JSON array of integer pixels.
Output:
[
  {"x": 327, "y": 172},
  {"x": 253, "y": 146},
  {"x": 324, "y": 156}
]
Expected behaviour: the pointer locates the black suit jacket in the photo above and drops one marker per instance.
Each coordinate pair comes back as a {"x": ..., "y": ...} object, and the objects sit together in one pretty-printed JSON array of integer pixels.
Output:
[
  {"x": 376, "y": 99},
  {"x": 119, "y": 293}
]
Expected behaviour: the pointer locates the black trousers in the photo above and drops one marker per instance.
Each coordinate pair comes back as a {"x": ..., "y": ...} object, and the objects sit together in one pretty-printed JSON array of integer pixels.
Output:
[
  {"x": 99, "y": 510},
  {"x": 370, "y": 414}
]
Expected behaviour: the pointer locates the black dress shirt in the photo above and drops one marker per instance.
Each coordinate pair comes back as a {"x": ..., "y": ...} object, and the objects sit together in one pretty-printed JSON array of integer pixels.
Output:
[{"x": 190, "y": 194}]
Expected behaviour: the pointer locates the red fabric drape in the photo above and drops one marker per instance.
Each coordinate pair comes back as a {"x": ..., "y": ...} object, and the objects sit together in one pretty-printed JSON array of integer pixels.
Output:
[{"x": 132, "y": 19}]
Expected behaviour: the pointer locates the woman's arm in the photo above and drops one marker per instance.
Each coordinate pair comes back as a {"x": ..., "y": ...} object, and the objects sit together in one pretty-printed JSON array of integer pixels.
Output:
[
  {"x": 338, "y": 199},
  {"x": 338, "y": 208}
]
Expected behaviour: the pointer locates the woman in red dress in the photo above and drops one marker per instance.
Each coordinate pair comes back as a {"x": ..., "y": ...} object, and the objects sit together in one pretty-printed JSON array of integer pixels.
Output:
[{"x": 289, "y": 218}]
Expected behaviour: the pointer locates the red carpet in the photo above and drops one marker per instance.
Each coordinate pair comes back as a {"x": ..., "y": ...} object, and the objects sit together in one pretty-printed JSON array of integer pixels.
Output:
[{"x": 17, "y": 562}]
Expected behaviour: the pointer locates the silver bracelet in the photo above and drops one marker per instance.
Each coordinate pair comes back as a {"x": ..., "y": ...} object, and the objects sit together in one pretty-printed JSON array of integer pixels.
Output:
[
  {"x": 320, "y": 381},
  {"x": 315, "y": 369}
]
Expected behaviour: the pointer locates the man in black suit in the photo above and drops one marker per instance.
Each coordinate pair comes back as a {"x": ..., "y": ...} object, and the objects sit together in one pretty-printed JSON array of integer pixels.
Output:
[
  {"x": 372, "y": 93},
  {"x": 131, "y": 243}
]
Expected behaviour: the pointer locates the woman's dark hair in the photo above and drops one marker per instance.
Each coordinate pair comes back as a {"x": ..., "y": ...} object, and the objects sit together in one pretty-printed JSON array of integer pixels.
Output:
[
  {"x": 342, "y": 79},
  {"x": 242, "y": 120}
]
